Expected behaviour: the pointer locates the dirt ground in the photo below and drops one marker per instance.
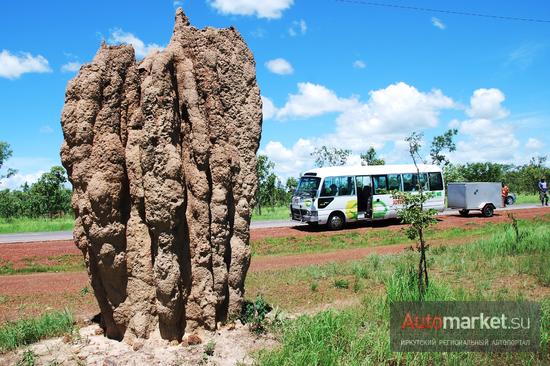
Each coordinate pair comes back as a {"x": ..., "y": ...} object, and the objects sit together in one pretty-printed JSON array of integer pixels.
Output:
[
  {"x": 31, "y": 294},
  {"x": 36, "y": 250},
  {"x": 230, "y": 346}
]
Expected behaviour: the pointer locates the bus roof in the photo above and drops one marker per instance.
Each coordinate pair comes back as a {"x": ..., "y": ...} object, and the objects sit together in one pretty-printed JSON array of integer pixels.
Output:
[{"x": 371, "y": 170}]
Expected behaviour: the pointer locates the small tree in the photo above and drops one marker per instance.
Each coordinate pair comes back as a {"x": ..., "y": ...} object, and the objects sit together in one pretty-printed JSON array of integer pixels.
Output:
[
  {"x": 413, "y": 213},
  {"x": 291, "y": 184},
  {"x": 330, "y": 156},
  {"x": 371, "y": 158},
  {"x": 264, "y": 170},
  {"x": 440, "y": 144},
  {"x": 49, "y": 194},
  {"x": 5, "y": 154}
]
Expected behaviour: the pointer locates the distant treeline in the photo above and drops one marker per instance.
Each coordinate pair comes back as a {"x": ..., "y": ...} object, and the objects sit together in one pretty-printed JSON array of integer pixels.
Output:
[{"x": 48, "y": 197}]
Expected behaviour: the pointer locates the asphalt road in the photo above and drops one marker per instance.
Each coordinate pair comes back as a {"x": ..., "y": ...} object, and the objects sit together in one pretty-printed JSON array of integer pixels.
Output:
[{"x": 68, "y": 235}]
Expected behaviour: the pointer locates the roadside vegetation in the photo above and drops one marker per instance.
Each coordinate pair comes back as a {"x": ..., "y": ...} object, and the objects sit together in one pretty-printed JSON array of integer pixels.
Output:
[
  {"x": 355, "y": 329},
  {"x": 27, "y": 331},
  {"x": 36, "y": 224}
]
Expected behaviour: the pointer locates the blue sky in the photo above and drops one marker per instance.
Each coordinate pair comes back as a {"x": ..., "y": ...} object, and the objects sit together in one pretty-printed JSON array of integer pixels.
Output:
[{"x": 330, "y": 72}]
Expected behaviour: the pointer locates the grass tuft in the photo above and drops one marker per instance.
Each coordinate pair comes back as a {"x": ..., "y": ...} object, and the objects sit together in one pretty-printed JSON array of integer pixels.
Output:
[{"x": 27, "y": 331}]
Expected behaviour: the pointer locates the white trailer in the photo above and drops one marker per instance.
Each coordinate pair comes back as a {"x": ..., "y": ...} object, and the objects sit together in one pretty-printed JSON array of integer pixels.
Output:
[{"x": 483, "y": 196}]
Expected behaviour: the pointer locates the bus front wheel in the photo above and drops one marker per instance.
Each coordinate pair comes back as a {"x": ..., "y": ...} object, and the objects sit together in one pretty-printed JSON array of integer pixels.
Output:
[{"x": 336, "y": 221}]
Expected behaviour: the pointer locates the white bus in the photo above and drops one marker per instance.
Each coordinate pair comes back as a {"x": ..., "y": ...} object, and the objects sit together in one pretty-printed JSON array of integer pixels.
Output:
[{"x": 337, "y": 195}]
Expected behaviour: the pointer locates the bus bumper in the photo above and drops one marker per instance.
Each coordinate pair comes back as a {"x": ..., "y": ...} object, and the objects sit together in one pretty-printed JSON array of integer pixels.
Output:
[{"x": 304, "y": 215}]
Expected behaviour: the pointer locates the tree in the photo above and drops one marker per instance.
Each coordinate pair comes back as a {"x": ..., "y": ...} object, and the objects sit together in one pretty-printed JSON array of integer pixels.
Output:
[
  {"x": 371, "y": 158},
  {"x": 483, "y": 172},
  {"x": 440, "y": 144},
  {"x": 330, "y": 156},
  {"x": 264, "y": 170},
  {"x": 413, "y": 213},
  {"x": 5, "y": 154},
  {"x": 291, "y": 184},
  {"x": 49, "y": 194}
]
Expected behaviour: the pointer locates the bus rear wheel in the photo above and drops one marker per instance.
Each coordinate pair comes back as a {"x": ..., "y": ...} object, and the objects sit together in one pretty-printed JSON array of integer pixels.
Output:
[
  {"x": 464, "y": 212},
  {"x": 336, "y": 221}
]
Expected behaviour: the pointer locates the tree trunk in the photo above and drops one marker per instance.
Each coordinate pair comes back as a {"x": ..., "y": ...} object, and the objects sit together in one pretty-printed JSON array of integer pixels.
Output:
[{"x": 162, "y": 157}]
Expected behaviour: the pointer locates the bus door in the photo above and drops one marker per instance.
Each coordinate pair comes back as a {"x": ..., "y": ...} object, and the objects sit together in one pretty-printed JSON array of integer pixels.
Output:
[{"x": 364, "y": 196}]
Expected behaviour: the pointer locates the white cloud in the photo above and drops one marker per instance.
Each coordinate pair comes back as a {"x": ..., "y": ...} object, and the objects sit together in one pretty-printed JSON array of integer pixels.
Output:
[
  {"x": 268, "y": 108},
  {"x": 534, "y": 144},
  {"x": 298, "y": 27},
  {"x": 271, "y": 9},
  {"x": 313, "y": 100},
  {"x": 46, "y": 129},
  {"x": 119, "y": 36},
  {"x": 523, "y": 56},
  {"x": 71, "y": 66},
  {"x": 359, "y": 64},
  {"x": 279, "y": 66},
  {"x": 13, "y": 66},
  {"x": 438, "y": 23},
  {"x": 290, "y": 162},
  {"x": 486, "y": 103},
  {"x": 482, "y": 138},
  {"x": 17, "y": 180},
  {"x": 390, "y": 114}
]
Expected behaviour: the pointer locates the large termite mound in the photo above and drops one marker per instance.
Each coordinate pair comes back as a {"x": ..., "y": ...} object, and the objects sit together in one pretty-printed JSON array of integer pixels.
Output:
[{"x": 162, "y": 156}]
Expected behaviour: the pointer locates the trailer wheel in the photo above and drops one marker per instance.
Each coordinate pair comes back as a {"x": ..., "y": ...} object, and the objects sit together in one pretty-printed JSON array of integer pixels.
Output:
[
  {"x": 464, "y": 212},
  {"x": 487, "y": 210},
  {"x": 336, "y": 221}
]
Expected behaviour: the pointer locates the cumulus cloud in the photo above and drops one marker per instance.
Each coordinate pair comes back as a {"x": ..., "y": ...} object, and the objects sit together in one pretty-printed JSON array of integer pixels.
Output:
[
  {"x": 71, "y": 66},
  {"x": 438, "y": 23},
  {"x": 359, "y": 64},
  {"x": 484, "y": 137},
  {"x": 388, "y": 116},
  {"x": 313, "y": 100},
  {"x": 391, "y": 114},
  {"x": 270, "y": 9},
  {"x": 17, "y": 180},
  {"x": 487, "y": 103},
  {"x": 279, "y": 66},
  {"x": 268, "y": 108},
  {"x": 534, "y": 144},
  {"x": 119, "y": 36},
  {"x": 298, "y": 28},
  {"x": 290, "y": 162},
  {"x": 12, "y": 66}
]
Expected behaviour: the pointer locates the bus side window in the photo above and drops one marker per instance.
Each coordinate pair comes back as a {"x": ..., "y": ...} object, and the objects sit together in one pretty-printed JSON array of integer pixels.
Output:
[
  {"x": 408, "y": 184},
  {"x": 424, "y": 181},
  {"x": 329, "y": 187},
  {"x": 394, "y": 182},
  {"x": 436, "y": 182},
  {"x": 380, "y": 184}
]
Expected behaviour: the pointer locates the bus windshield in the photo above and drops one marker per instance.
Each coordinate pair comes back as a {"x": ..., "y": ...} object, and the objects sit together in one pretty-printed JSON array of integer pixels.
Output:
[{"x": 308, "y": 186}]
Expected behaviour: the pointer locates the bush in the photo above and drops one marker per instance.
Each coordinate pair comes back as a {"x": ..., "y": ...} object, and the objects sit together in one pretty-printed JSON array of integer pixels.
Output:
[{"x": 254, "y": 313}]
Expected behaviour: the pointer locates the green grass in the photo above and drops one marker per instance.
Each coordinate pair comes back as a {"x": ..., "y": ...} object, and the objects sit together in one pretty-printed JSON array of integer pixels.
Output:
[
  {"x": 371, "y": 238},
  {"x": 63, "y": 263},
  {"x": 494, "y": 268},
  {"x": 30, "y": 225},
  {"x": 269, "y": 213},
  {"x": 27, "y": 331},
  {"x": 527, "y": 198}
]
